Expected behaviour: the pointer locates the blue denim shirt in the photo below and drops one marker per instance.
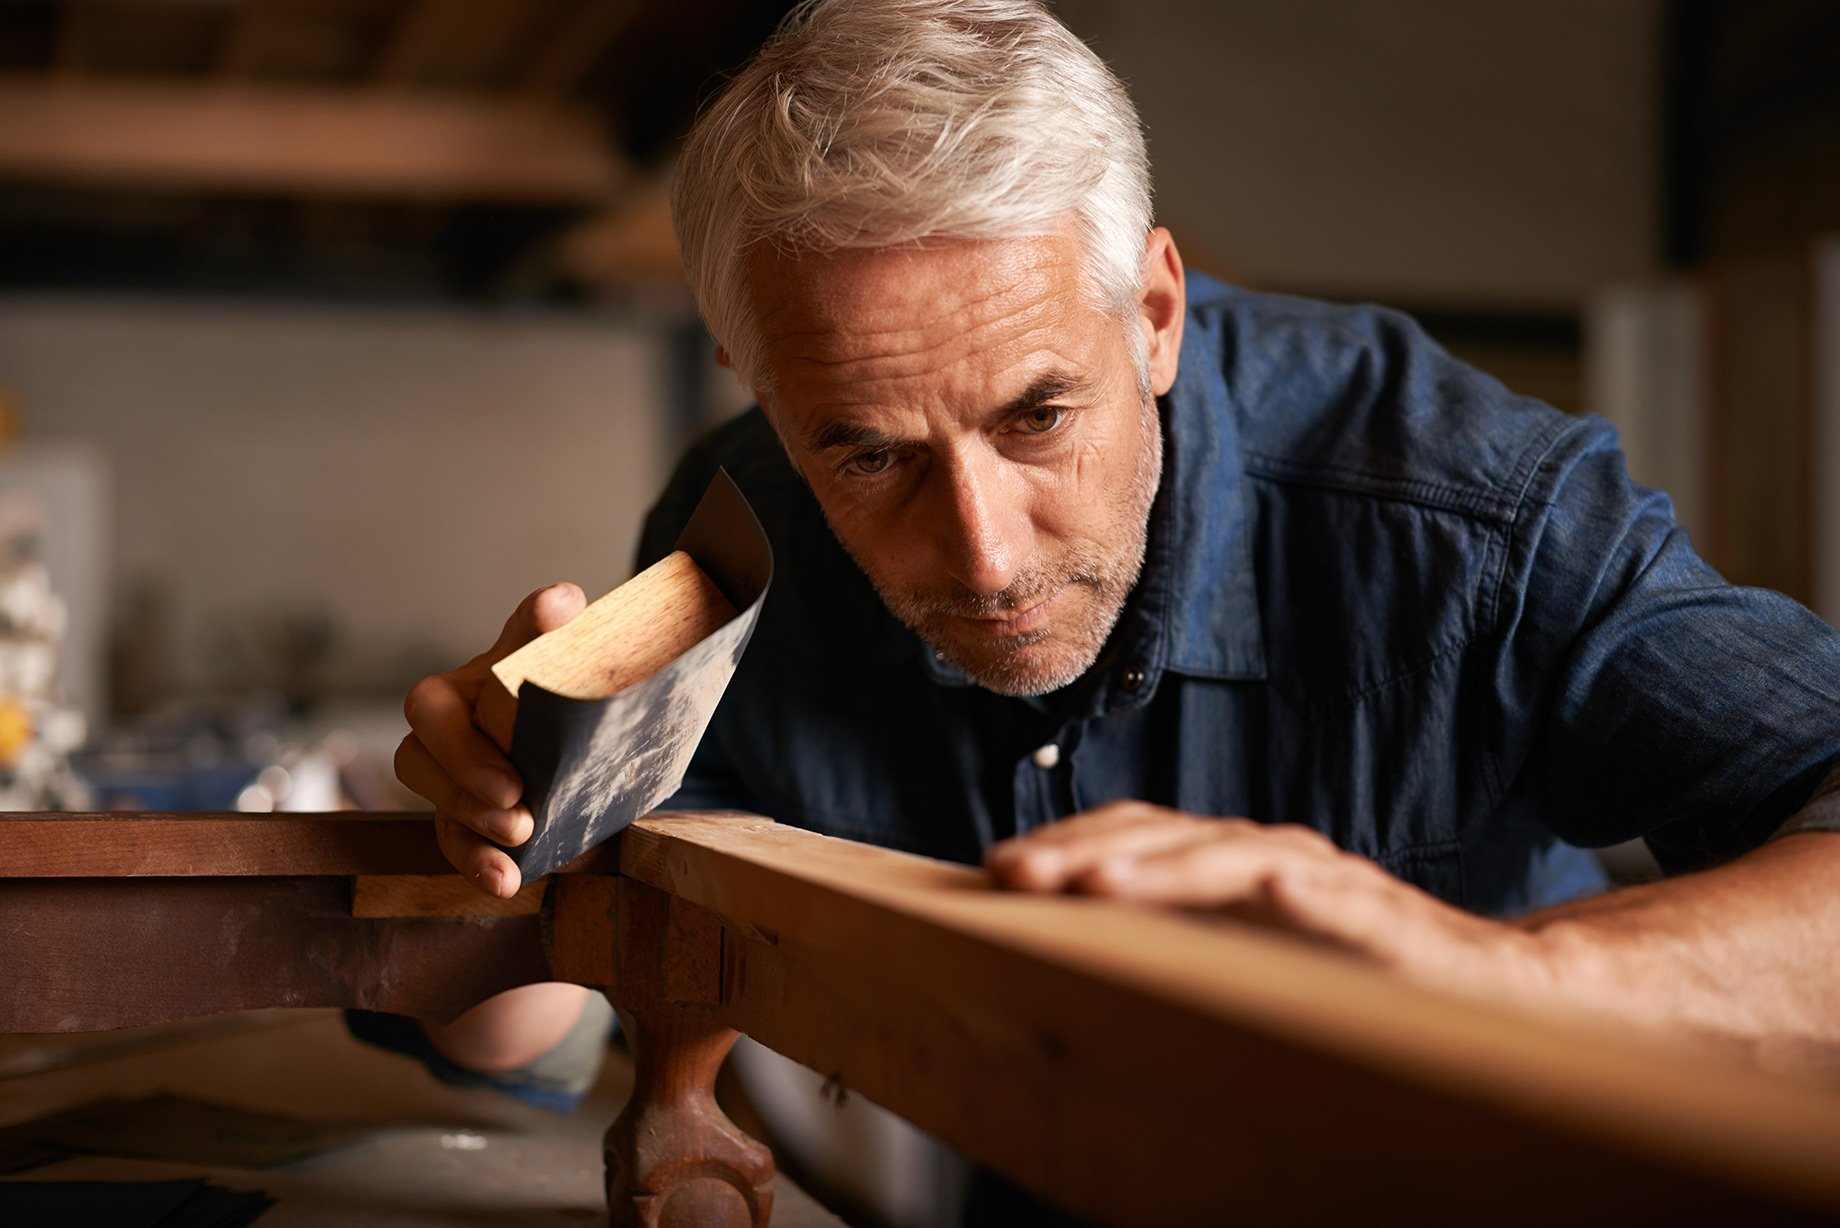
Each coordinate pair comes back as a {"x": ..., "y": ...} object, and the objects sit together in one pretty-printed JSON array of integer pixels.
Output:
[{"x": 1383, "y": 597}]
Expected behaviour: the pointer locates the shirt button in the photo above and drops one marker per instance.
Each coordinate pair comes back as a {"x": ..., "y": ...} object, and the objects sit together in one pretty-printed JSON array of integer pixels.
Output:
[
  {"x": 1133, "y": 678},
  {"x": 1046, "y": 756}
]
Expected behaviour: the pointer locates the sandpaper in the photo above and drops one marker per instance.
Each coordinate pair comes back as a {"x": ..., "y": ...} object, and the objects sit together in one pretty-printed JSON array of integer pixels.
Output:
[{"x": 592, "y": 766}]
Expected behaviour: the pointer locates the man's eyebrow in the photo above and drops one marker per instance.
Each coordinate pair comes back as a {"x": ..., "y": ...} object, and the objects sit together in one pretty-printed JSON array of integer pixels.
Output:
[
  {"x": 1044, "y": 388},
  {"x": 850, "y": 435},
  {"x": 1050, "y": 386}
]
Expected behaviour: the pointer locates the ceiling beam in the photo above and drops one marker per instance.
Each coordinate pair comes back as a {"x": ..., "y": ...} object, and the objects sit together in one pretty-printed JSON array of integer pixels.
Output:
[
  {"x": 573, "y": 47},
  {"x": 303, "y": 141},
  {"x": 420, "y": 25},
  {"x": 245, "y": 29},
  {"x": 70, "y": 55},
  {"x": 630, "y": 243}
]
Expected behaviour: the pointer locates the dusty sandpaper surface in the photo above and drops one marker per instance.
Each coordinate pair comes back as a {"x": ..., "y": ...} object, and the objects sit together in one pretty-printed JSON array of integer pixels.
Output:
[{"x": 591, "y": 766}]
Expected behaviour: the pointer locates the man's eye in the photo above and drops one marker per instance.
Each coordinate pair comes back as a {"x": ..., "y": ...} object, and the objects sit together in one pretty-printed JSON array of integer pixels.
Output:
[
  {"x": 1041, "y": 421},
  {"x": 869, "y": 462}
]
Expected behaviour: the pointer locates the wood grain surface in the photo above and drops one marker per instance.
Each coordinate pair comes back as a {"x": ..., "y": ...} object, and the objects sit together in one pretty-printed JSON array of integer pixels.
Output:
[
  {"x": 1137, "y": 1065},
  {"x": 184, "y": 845},
  {"x": 89, "y": 954},
  {"x": 1145, "y": 1066},
  {"x": 627, "y": 635},
  {"x": 143, "y": 844},
  {"x": 439, "y": 895}
]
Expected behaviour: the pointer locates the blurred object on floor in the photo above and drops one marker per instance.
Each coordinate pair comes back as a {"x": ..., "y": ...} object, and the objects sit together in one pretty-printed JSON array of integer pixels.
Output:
[{"x": 455, "y": 1157}]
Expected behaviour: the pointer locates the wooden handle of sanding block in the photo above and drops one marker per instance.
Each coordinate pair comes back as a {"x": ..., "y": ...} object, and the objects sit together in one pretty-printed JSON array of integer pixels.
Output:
[{"x": 624, "y": 637}]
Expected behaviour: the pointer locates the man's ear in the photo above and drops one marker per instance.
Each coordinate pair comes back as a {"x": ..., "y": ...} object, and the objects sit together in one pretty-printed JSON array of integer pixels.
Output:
[
  {"x": 1161, "y": 307},
  {"x": 722, "y": 359}
]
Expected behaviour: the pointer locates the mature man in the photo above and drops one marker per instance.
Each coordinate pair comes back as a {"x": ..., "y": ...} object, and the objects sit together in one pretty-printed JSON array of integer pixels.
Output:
[{"x": 1080, "y": 558}]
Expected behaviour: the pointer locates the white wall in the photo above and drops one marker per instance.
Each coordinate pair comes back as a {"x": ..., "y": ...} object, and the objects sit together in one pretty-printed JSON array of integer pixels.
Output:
[
  {"x": 411, "y": 472},
  {"x": 1469, "y": 151}
]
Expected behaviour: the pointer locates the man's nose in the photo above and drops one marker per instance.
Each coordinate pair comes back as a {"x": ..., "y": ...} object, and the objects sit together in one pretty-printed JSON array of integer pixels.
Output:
[{"x": 984, "y": 525}]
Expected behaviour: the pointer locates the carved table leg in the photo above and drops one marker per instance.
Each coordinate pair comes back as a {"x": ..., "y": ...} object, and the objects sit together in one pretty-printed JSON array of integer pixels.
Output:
[{"x": 674, "y": 1160}]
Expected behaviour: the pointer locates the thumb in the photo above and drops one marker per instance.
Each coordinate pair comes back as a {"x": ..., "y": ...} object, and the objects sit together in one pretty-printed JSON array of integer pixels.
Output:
[
  {"x": 544, "y": 610},
  {"x": 553, "y": 606}
]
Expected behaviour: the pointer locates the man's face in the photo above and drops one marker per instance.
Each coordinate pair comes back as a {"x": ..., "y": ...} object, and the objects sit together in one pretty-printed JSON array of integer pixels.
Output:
[{"x": 978, "y": 436}]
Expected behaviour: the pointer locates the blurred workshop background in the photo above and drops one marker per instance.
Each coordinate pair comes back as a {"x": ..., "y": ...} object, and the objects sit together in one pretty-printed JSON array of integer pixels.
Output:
[{"x": 329, "y": 328}]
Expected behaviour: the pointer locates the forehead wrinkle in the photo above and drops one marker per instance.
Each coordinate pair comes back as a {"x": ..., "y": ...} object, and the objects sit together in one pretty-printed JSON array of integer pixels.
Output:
[
  {"x": 962, "y": 325},
  {"x": 975, "y": 399},
  {"x": 962, "y": 355},
  {"x": 971, "y": 387},
  {"x": 893, "y": 338}
]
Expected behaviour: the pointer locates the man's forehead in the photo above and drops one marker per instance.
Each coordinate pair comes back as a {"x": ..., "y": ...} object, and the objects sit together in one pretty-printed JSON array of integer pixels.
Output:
[{"x": 932, "y": 286}]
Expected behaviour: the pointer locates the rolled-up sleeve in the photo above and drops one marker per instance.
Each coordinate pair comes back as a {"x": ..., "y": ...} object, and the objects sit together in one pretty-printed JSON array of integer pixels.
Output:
[{"x": 1654, "y": 699}]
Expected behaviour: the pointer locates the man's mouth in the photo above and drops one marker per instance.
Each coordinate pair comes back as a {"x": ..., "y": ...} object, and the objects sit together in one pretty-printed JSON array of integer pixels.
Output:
[{"x": 1007, "y": 624}]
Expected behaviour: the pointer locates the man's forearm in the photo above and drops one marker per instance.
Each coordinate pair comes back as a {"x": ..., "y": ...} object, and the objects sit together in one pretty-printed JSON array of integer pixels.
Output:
[{"x": 1742, "y": 956}]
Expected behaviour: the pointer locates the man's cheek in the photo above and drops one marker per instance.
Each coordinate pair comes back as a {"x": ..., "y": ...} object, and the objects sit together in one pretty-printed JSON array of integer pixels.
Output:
[{"x": 1092, "y": 458}]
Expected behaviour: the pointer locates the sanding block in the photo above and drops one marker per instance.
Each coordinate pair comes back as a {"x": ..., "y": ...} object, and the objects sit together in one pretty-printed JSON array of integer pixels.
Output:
[{"x": 601, "y": 715}]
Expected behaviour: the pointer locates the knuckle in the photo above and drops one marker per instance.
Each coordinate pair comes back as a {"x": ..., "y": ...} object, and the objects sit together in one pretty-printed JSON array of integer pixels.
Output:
[
  {"x": 455, "y": 803},
  {"x": 420, "y": 696},
  {"x": 1312, "y": 841}
]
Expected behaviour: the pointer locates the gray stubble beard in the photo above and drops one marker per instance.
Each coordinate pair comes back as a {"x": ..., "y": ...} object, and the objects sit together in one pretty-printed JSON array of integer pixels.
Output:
[{"x": 1112, "y": 580}]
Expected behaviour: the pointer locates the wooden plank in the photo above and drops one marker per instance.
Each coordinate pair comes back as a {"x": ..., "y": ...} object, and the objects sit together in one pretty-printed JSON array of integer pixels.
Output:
[
  {"x": 421, "y": 24},
  {"x": 184, "y": 845},
  {"x": 630, "y": 243},
  {"x": 1079, "y": 1045},
  {"x": 83, "y": 955},
  {"x": 577, "y": 42},
  {"x": 582, "y": 925},
  {"x": 439, "y": 895},
  {"x": 302, "y": 140},
  {"x": 152, "y": 844},
  {"x": 246, "y": 28},
  {"x": 71, "y": 55}
]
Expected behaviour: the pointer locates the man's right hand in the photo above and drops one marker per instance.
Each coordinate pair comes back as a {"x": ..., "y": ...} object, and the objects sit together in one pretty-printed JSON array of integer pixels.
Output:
[{"x": 447, "y": 760}]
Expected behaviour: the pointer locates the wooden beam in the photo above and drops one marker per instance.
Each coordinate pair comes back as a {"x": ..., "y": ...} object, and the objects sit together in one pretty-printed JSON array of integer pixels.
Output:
[
  {"x": 83, "y": 955},
  {"x": 439, "y": 895},
  {"x": 420, "y": 25},
  {"x": 245, "y": 33},
  {"x": 144, "y": 844},
  {"x": 573, "y": 47},
  {"x": 1144, "y": 1066},
  {"x": 70, "y": 57},
  {"x": 216, "y": 845},
  {"x": 631, "y": 243},
  {"x": 301, "y": 141}
]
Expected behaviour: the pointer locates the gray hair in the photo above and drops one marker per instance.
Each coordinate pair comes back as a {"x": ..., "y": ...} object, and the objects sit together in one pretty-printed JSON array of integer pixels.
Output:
[{"x": 877, "y": 123}]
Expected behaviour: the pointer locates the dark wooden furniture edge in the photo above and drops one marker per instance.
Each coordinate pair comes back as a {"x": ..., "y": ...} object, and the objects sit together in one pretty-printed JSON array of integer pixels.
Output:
[{"x": 1139, "y": 1066}]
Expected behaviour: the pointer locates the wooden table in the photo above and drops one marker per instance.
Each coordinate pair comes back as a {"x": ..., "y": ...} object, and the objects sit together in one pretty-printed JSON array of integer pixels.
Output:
[{"x": 1138, "y": 1066}]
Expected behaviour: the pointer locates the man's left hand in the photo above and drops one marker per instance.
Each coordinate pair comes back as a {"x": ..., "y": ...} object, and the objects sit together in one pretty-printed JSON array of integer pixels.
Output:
[{"x": 1284, "y": 875}]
